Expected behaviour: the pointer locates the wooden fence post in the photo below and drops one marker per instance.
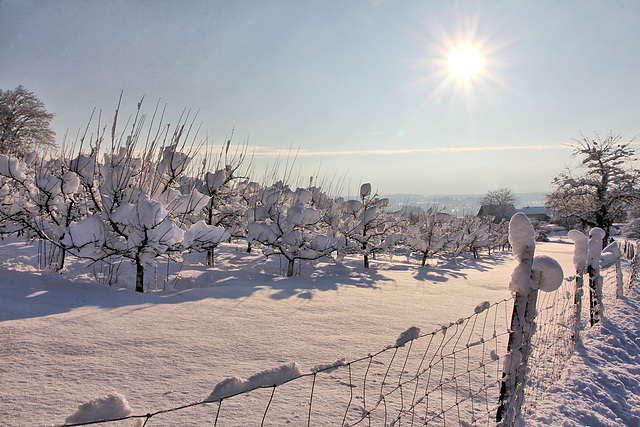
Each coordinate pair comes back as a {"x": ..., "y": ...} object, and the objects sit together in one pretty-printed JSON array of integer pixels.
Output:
[
  {"x": 529, "y": 275},
  {"x": 593, "y": 269},
  {"x": 580, "y": 252}
]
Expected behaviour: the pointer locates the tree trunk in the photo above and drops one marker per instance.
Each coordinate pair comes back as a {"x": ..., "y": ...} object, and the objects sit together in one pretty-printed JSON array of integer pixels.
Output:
[
  {"x": 290, "y": 266},
  {"x": 424, "y": 259},
  {"x": 60, "y": 261},
  {"x": 139, "y": 276},
  {"x": 366, "y": 261},
  {"x": 210, "y": 253}
]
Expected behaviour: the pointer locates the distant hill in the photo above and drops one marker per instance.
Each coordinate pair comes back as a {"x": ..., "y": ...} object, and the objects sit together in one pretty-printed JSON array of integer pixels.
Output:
[{"x": 458, "y": 204}]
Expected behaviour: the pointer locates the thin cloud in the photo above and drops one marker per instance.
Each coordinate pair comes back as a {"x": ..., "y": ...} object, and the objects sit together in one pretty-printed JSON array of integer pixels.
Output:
[{"x": 272, "y": 152}]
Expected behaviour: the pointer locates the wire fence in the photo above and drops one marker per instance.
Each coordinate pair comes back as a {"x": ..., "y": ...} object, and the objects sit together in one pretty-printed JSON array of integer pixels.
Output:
[
  {"x": 554, "y": 340},
  {"x": 451, "y": 376}
]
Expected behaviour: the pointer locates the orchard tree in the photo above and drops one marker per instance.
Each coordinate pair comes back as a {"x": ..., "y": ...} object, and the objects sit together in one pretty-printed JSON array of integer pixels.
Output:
[
  {"x": 429, "y": 236},
  {"x": 596, "y": 192},
  {"x": 286, "y": 225},
  {"x": 222, "y": 209},
  {"x": 366, "y": 224},
  {"x": 24, "y": 123}
]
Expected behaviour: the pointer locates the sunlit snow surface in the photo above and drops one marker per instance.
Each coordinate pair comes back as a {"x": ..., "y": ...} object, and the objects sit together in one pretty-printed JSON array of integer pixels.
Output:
[{"x": 67, "y": 340}]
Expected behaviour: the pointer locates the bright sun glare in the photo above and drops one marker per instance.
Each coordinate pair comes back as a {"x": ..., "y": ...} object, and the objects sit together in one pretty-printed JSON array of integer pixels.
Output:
[{"x": 465, "y": 62}]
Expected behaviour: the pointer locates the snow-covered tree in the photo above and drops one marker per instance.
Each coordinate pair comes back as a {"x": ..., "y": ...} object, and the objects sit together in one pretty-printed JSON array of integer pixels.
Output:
[
  {"x": 499, "y": 235},
  {"x": 469, "y": 233},
  {"x": 139, "y": 200},
  {"x": 225, "y": 207},
  {"x": 365, "y": 223},
  {"x": 286, "y": 225},
  {"x": 596, "y": 192},
  {"x": 478, "y": 235},
  {"x": 429, "y": 236},
  {"x": 41, "y": 199}
]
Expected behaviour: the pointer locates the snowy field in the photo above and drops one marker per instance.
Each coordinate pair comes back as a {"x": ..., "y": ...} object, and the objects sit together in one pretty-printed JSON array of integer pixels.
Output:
[{"x": 67, "y": 340}]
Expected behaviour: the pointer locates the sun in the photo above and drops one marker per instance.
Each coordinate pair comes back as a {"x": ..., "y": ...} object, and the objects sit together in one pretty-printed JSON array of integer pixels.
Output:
[{"x": 465, "y": 63}]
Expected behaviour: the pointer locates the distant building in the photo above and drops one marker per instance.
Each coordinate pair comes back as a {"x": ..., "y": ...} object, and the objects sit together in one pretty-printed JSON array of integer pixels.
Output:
[
  {"x": 498, "y": 212},
  {"x": 539, "y": 213}
]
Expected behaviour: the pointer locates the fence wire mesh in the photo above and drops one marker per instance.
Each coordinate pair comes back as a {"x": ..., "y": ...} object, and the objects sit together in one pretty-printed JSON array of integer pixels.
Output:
[
  {"x": 553, "y": 343},
  {"x": 450, "y": 376}
]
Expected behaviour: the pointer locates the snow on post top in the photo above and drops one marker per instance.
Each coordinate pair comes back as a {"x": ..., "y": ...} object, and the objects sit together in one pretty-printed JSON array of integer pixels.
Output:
[
  {"x": 522, "y": 240},
  {"x": 581, "y": 246},
  {"x": 547, "y": 273},
  {"x": 609, "y": 255},
  {"x": 521, "y": 237}
]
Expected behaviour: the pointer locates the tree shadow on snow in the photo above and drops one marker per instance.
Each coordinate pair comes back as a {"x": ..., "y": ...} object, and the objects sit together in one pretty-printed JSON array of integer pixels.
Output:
[
  {"x": 36, "y": 294},
  {"x": 444, "y": 269},
  {"x": 330, "y": 278}
]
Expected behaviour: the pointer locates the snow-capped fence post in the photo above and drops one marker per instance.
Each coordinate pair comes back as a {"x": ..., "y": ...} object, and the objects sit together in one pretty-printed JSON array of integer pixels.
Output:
[
  {"x": 580, "y": 251},
  {"x": 530, "y": 275},
  {"x": 522, "y": 240},
  {"x": 596, "y": 237}
]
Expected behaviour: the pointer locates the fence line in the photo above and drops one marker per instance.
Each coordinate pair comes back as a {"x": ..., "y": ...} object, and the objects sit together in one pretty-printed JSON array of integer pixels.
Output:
[
  {"x": 554, "y": 341},
  {"x": 451, "y": 376}
]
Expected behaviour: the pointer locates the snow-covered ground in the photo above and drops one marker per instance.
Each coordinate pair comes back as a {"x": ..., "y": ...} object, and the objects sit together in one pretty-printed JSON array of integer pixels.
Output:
[{"x": 67, "y": 340}]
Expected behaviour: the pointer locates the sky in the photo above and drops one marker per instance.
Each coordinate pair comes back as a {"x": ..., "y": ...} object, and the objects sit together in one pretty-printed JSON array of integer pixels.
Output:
[{"x": 355, "y": 91}]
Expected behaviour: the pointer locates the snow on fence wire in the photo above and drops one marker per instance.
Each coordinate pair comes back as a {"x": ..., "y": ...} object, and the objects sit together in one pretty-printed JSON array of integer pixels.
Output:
[{"x": 455, "y": 375}]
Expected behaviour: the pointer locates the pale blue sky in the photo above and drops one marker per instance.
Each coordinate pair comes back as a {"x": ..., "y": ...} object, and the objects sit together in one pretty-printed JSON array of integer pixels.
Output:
[{"x": 360, "y": 87}]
